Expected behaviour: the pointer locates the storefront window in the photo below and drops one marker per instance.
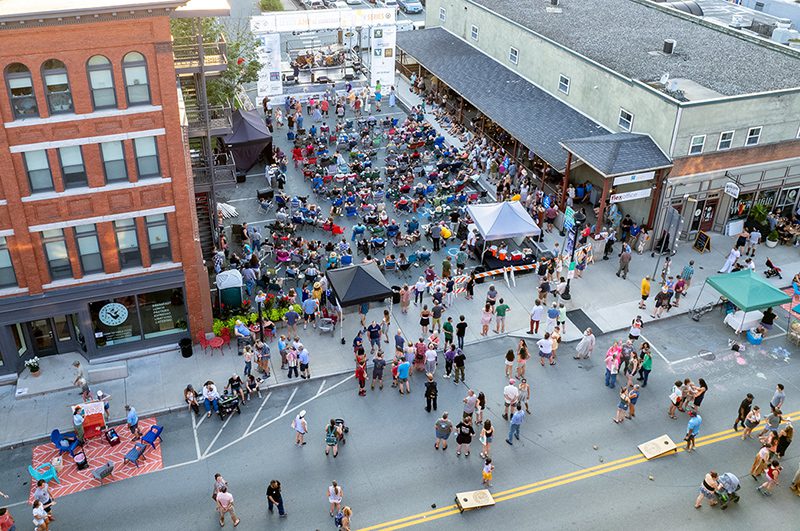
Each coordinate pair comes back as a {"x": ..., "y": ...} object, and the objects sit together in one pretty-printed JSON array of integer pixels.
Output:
[
  {"x": 162, "y": 312},
  {"x": 740, "y": 207},
  {"x": 115, "y": 321}
]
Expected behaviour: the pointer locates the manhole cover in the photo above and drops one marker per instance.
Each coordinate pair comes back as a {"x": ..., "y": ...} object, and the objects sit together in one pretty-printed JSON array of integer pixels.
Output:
[{"x": 707, "y": 355}]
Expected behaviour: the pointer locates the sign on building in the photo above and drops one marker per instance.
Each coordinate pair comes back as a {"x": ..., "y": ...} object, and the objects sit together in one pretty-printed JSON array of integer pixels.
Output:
[
  {"x": 630, "y": 196},
  {"x": 732, "y": 189},
  {"x": 635, "y": 178}
]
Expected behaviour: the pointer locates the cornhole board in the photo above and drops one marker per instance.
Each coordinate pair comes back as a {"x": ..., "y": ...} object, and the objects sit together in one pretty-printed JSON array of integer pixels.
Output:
[
  {"x": 658, "y": 447},
  {"x": 473, "y": 499}
]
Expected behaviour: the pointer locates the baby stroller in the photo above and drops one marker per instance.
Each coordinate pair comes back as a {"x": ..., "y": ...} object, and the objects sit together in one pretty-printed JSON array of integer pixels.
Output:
[
  {"x": 773, "y": 270},
  {"x": 726, "y": 491},
  {"x": 228, "y": 403},
  {"x": 343, "y": 430}
]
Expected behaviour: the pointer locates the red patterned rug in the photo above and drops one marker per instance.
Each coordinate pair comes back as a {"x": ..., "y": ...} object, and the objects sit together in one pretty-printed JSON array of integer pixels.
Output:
[
  {"x": 98, "y": 452},
  {"x": 789, "y": 305}
]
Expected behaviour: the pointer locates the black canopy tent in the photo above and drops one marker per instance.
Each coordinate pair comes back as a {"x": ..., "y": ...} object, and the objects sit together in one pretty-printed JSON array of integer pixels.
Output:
[
  {"x": 249, "y": 139},
  {"x": 357, "y": 284}
]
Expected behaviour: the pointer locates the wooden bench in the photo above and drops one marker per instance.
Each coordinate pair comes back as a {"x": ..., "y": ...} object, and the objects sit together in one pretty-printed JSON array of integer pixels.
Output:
[{"x": 473, "y": 499}]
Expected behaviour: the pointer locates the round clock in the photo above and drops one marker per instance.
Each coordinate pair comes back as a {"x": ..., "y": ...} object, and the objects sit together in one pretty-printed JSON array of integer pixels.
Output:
[{"x": 113, "y": 314}]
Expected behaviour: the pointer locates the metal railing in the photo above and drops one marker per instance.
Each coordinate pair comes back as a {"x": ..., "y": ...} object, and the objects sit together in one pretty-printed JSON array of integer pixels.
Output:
[
  {"x": 223, "y": 173},
  {"x": 187, "y": 56},
  {"x": 219, "y": 118}
]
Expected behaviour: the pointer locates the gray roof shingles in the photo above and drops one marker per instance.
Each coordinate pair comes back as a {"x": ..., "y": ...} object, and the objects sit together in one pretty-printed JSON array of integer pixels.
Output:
[
  {"x": 529, "y": 114},
  {"x": 619, "y": 154},
  {"x": 619, "y": 34}
]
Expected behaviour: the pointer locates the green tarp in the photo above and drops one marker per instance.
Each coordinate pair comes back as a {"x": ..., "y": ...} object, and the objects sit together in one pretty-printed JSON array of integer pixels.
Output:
[{"x": 748, "y": 291}]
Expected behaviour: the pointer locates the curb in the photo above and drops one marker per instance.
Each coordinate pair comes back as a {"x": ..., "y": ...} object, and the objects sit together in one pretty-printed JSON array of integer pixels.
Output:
[{"x": 167, "y": 410}]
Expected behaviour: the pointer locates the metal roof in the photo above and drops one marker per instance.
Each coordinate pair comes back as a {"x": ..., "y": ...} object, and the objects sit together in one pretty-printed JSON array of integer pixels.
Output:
[
  {"x": 627, "y": 36},
  {"x": 529, "y": 114},
  {"x": 618, "y": 153}
]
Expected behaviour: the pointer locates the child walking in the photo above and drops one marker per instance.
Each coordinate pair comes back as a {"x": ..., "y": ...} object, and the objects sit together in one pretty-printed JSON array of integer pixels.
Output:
[{"x": 488, "y": 468}]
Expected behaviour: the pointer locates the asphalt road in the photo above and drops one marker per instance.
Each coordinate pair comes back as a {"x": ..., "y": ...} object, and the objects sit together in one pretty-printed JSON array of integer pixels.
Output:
[{"x": 391, "y": 473}]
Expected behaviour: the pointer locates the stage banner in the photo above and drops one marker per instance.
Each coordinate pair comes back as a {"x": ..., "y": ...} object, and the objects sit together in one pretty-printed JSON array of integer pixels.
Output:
[
  {"x": 270, "y": 82},
  {"x": 381, "y": 64}
]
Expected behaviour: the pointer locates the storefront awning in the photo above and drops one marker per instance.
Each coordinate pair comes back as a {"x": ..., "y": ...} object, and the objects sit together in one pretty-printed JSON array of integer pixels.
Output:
[
  {"x": 619, "y": 153},
  {"x": 536, "y": 119}
]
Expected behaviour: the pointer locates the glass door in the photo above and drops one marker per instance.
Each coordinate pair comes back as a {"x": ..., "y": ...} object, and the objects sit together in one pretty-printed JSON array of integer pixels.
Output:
[{"x": 42, "y": 337}]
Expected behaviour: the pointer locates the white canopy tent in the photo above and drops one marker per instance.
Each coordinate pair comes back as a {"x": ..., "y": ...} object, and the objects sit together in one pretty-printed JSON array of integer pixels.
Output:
[{"x": 497, "y": 221}]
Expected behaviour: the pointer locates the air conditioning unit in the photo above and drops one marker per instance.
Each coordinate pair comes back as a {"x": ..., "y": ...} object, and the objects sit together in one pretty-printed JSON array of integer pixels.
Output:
[{"x": 669, "y": 46}]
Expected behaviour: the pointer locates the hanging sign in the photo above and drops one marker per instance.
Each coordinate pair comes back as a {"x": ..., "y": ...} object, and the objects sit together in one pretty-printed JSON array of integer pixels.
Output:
[{"x": 732, "y": 189}]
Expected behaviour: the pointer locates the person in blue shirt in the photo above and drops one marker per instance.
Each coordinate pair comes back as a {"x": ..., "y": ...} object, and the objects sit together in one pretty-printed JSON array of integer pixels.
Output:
[
  {"x": 516, "y": 422},
  {"x": 402, "y": 377},
  {"x": 358, "y": 342},
  {"x": 310, "y": 308},
  {"x": 133, "y": 421},
  {"x": 374, "y": 330},
  {"x": 692, "y": 429},
  {"x": 303, "y": 359},
  {"x": 243, "y": 336},
  {"x": 362, "y": 312}
]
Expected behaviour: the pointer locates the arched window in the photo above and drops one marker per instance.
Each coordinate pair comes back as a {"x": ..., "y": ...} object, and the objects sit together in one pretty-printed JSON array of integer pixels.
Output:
[
  {"x": 20, "y": 91},
  {"x": 56, "y": 86},
  {"x": 137, "y": 87},
  {"x": 101, "y": 81}
]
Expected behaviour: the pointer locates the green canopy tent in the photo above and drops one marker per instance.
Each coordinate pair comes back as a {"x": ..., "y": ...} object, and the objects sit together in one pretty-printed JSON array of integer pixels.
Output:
[{"x": 746, "y": 290}]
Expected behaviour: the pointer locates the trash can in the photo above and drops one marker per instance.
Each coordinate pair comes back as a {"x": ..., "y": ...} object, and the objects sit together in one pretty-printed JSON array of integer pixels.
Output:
[
  {"x": 479, "y": 269},
  {"x": 395, "y": 294},
  {"x": 186, "y": 347}
]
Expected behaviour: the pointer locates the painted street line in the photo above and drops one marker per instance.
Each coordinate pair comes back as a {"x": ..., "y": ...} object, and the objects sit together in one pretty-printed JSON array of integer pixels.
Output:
[
  {"x": 320, "y": 387},
  {"x": 219, "y": 432},
  {"x": 194, "y": 431},
  {"x": 294, "y": 392},
  {"x": 257, "y": 413}
]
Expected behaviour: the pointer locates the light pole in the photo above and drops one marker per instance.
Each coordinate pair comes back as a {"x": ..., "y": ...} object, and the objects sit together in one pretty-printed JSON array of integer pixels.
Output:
[
  {"x": 260, "y": 298},
  {"x": 580, "y": 219}
]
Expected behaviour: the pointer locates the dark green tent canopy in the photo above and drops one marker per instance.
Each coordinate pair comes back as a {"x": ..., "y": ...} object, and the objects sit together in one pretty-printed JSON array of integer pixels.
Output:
[{"x": 748, "y": 291}]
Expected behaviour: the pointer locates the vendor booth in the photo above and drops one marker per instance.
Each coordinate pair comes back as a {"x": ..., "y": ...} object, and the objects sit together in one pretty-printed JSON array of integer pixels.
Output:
[
  {"x": 749, "y": 293},
  {"x": 500, "y": 221},
  {"x": 358, "y": 284}
]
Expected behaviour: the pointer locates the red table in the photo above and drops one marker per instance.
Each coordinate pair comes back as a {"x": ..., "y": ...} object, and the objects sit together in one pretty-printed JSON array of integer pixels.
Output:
[{"x": 216, "y": 343}]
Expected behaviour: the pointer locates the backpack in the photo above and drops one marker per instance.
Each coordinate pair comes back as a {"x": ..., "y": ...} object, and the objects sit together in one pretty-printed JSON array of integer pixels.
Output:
[{"x": 338, "y": 519}]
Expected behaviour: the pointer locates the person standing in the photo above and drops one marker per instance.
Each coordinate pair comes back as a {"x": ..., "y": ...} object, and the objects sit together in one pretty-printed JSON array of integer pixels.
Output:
[
  {"x": 778, "y": 398},
  {"x": 692, "y": 429},
  {"x": 436, "y": 234},
  {"x": 612, "y": 365},
  {"x": 516, "y": 422},
  {"x": 78, "y": 416},
  {"x": 486, "y": 319},
  {"x": 275, "y": 498},
  {"x": 431, "y": 359},
  {"x": 585, "y": 345},
  {"x": 459, "y": 362},
  {"x": 461, "y": 330},
  {"x": 525, "y": 395},
  {"x": 402, "y": 377},
  {"x": 647, "y": 364},
  {"x": 332, "y": 435},
  {"x": 545, "y": 346},
  {"x": 707, "y": 489},
  {"x": 448, "y": 330},
  {"x": 300, "y": 428},
  {"x": 225, "y": 506},
  {"x": 39, "y": 517},
  {"x": 733, "y": 255},
  {"x": 622, "y": 405},
  {"x": 624, "y": 262},
  {"x": 500, "y": 317},
  {"x": 537, "y": 312},
  {"x": 645, "y": 291},
  {"x": 6, "y": 520},
  {"x": 752, "y": 420},
  {"x": 488, "y": 468},
  {"x": 81, "y": 381},
  {"x": 487, "y": 433},
  {"x": 303, "y": 359},
  {"x": 361, "y": 377},
  {"x": 510, "y": 397},
  {"x": 752, "y": 242},
  {"x": 744, "y": 410},
  {"x": 443, "y": 428},
  {"x": 552, "y": 317},
  {"x": 784, "y": 440},
  {"x": 464, "y": 433},
  {"x": 42, "y": 494},
  {"x": 633, "y": 397},
  {"x": 378, "y": 364},
  {"x": 470, "y": 404},
  {"x": 335, "y": 495},
  {"x": 431, "y": 393},
  {"x": 661, "y": 302}
]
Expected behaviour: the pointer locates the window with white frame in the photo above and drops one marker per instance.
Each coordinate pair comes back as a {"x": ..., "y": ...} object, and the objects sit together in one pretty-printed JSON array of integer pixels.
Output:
[
  {"x": 625, "y": 121},
  {"x": 442, "y": 14},
  {"x": 146, "y": 157},
  {"x": 725, "y": 140},
  {"x": 72, "y": 169},
  {"x": 7, "y": 276},
  {"x": 474, "y": 33},
  {"x": 513, "y": 55},
  {"x": 563, "y": 84},
  {"x": 753, "y": 136},
  {"x": 38, "y": 167},
  {"x": 158, "y": 238},
  {"x": 696, "y": 145},
  {"x": 113, "y": 154}
]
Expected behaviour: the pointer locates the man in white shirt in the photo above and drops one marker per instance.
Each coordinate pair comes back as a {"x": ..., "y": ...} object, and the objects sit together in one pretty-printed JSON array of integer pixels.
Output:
[
  {"x": 545, "y": 348},
  {"x": 537, "y": 312},
  {"x": 510, "y": 396}
]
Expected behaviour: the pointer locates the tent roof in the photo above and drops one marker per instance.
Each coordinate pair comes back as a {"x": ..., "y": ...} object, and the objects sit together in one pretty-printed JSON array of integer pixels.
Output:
[
  {"x": 748, "y": 291},
  {"x": 359, "y": 283},
  {"x": 496, "y": 221},
  {"x": 248, "y": 126},
  {"x": 618, "y": 153}
]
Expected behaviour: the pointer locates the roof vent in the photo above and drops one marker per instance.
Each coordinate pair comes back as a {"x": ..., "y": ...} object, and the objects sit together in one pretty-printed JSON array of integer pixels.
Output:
[
  {"x": 738, "y": 21},
  {"x": 669, "y": 46},
  {"x": 554, "y": 3},
  {"x": 554, "y": 7}
]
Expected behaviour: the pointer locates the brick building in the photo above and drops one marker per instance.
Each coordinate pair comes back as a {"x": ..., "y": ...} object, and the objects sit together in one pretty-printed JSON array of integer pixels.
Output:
[{"x": 99, "y": 246}]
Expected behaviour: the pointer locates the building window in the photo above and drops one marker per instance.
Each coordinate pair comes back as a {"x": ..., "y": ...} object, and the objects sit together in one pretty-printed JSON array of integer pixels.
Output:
[
  {"x": 625, "y": 121},
  {"x": 474, "y": 33},
  {"x": 513, "y": 55},
  {"x": 101, "y": 81},
  {"x": 7, "y": 276},
  {"x": 696, "y": 145},
  {"x": 115, "y": 321},
  {"x": 20, "y": 90},
  {"x": 38, "y": 167},
  {"x": 753, "y": 136},
  {"x": 56, "y": 87},
  {"x": 563, "y": 84},
  {"x": 55, "y": 250},
  {"x": 158, "y": 238},
  {"x": 72, "y": 169},
  {"x": 127, "y": 243},
  {"x": 162, "y": 312},
  {"x": 114, "y": 165},
  {"x": 137, "y": 87},
  {"x": 89, "y": 249},
  {"x": 442, "y": 14},
  {"x": 146, "y": 157},
  {"x": 725, "y": 140},
  {"x": 759, "y": 6}
]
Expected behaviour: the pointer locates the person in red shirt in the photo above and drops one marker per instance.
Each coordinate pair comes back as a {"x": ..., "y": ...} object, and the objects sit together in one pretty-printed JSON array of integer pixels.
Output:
[
  {"x": 361, "y": 376},
  {"x": 6, "y": 520}
]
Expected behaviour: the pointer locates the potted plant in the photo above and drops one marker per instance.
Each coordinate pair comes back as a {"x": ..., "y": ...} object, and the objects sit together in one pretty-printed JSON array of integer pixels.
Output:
[
  {"x": 33, "y": 366},
  {"x": 772, "y": 238}
]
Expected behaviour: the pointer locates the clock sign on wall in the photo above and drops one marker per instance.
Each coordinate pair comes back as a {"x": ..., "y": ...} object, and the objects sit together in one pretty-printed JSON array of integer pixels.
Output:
[{"x": 113, "y": 314}]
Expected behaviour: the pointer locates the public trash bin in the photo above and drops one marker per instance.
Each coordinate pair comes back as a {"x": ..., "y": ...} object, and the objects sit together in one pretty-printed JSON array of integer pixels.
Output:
[
  {"x": 186, "y": 347},
  {"x": 479, "y": 269},
  {"x": 395, "y": 294}
]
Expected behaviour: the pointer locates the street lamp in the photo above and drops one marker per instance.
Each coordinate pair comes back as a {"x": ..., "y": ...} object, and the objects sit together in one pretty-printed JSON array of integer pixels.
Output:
[
  {"x": 260, "y": 298},
  {"x": 580, "y": 219}
]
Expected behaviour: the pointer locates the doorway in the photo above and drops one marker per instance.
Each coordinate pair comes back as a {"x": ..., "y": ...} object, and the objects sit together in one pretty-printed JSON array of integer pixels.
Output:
[
  {"x": 703, "y": 215},
  {"x": 52, "y": 335}
]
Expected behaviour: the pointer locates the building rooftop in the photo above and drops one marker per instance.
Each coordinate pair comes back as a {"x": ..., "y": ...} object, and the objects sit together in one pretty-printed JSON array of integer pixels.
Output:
[
  {"x": 16, "y": 10},
  {"x": 618, "y": 153},
  {"x": 627, "y": 36}
]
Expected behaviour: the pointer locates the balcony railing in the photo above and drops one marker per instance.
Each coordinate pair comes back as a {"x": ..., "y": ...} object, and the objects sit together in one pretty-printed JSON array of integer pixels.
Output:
[
  {"x": 223, "y": 174},
  {"x": 187, "y": 56},
  {"x": 219, "y": 120}
]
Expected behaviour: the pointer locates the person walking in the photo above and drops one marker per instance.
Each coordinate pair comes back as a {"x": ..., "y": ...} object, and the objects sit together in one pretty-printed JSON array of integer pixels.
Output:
[
  {"x": 300, "y": 428},
  {"x": 525, "y": 395},
  {"x": 661, "y": 302},
  {"x": 778, "y": 398},
  {"x": 509, "y": 363},
  {"x": 624, "y": 262},
  {"x": 487, "y": 434},
  {"x": 707, "y": 489},
  {"x": 733, "y": 256},
  {"x": 537, "y": 313},
  {"x": 488, "y": 469},
  {"x": 39, "y": 517},
  {"x": 42, "y": 494},
  {"x": 275, "y": 498},
  {"x": 744, "y": 410},
  {"x": 332, "y": 435},
  {"x": 585, "y": 346},
  {"x": 784, "y": 440},
  {"x": 516, "y": 422},
  {"x": 431, "y": 393},
  {"x": 795, "y": 486},
  {"x": 486, "y": 318},
  {"x": 464, "y": 433},
  {"x": 510, "y": 397},
  {"x": 773, "y": 472},
  {"x": 6, "y": 520},
  {"x": 443, "y": 428},
  {"x": 645, "y": 292},
  {"x": 760, "y": 462},
  {"x": 500, "y": 317},
  {"x": 225, "y": 506},
  {"x": 752, "y": 420},
  {"x": 335, "y": 495},
  {"x": 692, "y": 429}
]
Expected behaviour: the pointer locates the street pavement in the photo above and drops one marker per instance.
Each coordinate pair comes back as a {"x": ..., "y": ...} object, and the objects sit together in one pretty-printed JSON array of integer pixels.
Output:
[{"x": 572, "y": 456}]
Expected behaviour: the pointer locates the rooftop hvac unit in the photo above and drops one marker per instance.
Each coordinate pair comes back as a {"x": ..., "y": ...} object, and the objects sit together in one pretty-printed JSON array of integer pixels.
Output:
[{"x": 669, "y": 46}]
